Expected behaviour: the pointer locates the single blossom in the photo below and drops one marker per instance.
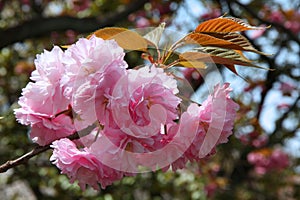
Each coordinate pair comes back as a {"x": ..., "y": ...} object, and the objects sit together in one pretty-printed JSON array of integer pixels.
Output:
[
  {"x": 90, "y": 60},
  {"x": 179, "y": 137},
  {"x": 49, "y": 66},
  {"x": 143, "y": 100},
  {"x": 45, "y": 109},
  {"x": 217, "y": 109},
  {"x": 90, "y": 100},
  {"x": 81, "y": 165},
  {"x": 49, "y": 130},
  {"x": 93, "y": 66},
  {"x": 216, "y": 118},
  {"x": 43, "y": 104},
  {"x": 40, "y": 100}
]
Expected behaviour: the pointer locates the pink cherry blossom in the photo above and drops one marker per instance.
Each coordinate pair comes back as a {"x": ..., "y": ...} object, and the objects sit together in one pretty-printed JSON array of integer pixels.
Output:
[
  {"x": 126, "y": 153},
  {"x": 136, "y": 112},
  {"x": 40, "y": 100},
  {"x": 181, "y": 136},
  {"x": 49, "y": 130},
  {"x": 113, "y": 148},
  {"x": 260, "y": 141},
  {"x": 121, "y": 151},
  {"x": 265, "y": 160},
  {"x": 277, "y": 16},
  {"x": 41, "y": 105},
  {"x": 80, "y": 5},
  {"x": 88, "y": 58},
  {"x": 214, "y": 103},
  {"x": 93, "y": 66},
  {"x": 206, "y": 139},
  {"x": 142, "y": 22},
  {"x": 49, "y": 66},
  {"x": 90, "y": 100},
  {"x": 81, "y": 165},
  {"x": 144, "y": 99},
  {"x": 217, "y": 116},
  {"x": 287, "y": 88}
]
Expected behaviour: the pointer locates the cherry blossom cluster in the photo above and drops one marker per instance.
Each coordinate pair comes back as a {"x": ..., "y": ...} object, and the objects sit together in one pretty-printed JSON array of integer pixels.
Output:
[
  {"x": 128, "y": 119},
  {"x": 254, "y": 139},
  {"x": 265, "y": 160}
]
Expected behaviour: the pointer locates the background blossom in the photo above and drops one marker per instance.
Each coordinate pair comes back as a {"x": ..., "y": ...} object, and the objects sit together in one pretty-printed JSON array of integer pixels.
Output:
[{"x": 266, "y": 160}]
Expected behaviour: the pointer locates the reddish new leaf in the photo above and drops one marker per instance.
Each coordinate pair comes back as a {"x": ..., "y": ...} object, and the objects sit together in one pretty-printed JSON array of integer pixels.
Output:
[
  {"x": 239, "y": 40},
  {"x": 207, "y": 40},
  {"x": 225, "y": 25},
  {"x": 218, "y": 55}
]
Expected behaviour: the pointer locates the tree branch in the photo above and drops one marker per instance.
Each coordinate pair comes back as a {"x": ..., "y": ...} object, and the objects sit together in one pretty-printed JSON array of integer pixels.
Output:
[
  {"x": 41, "y": 26},
  {"x": 23, "y": 159},
  {"x": 278, "y": 134},
  {"x": 274, "y": 24},
  {"x": 40, "y": 149},
  {"x": 272, "y": 76}
]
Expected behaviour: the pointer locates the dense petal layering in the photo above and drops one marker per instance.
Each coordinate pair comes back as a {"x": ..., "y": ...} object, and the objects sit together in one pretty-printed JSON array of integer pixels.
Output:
[
  {"x": 143, "y": 100},
  {"x": 81, "y": 165},
  {"x": 127, "y": 118},
  {"x": 43, "y": 104}
]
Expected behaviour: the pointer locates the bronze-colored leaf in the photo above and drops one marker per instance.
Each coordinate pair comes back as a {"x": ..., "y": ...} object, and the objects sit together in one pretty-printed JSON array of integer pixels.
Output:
[
  {"x": 219, "y": 56},
  {"x": 210, "y": 40},
  {"x": 192, "y": 64},
  {"x": 194, "y": 56},
  {"x": 239, "y": 40},
  {"x": 224, "y": 40},
  {"x": 231, "y": 68},
  {"x": 225, "y": 25},
  {"x": 127, "y": 39}
]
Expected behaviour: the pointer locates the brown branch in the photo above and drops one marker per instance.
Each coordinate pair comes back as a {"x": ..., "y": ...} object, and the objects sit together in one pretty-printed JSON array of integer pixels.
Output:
[
  {"x": 40, "y": 149},
  {"x": 23, "y": 159},
  {"x": 272, "y": 76},
  {"x": 273, "y": 24},
  {"x": 278, "y": 134},
  {"x": 42, "y": 26}
]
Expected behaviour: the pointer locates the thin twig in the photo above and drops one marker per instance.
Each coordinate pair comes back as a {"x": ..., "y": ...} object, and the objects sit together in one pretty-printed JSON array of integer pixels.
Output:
[
  {"x": 274, "y": 24},
  {"x": 40, "y": 149}
]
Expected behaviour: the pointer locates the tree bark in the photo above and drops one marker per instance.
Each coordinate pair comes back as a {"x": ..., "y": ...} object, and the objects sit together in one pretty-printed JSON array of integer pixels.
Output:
[{"x": 42, "y": 26}]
